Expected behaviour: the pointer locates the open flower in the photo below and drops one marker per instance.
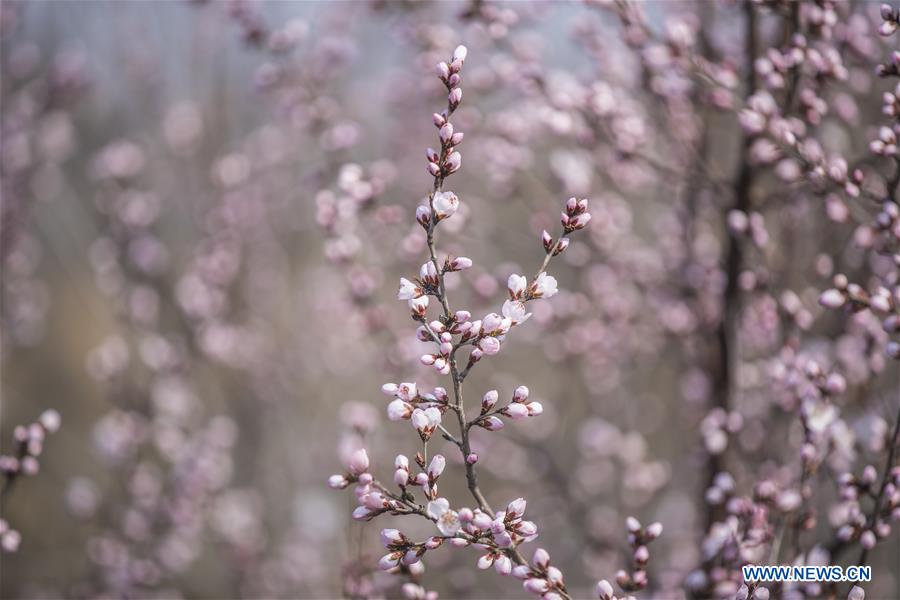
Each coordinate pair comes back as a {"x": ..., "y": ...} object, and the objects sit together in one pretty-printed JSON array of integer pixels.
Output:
[
  {"x": 516, "y": 284},
  {"x": 514, "y": 310},
  {"x": 445, "y": 204},
  {"x": 544, "y": 286},
  {"x": 408, "y": 290},
  {"x": 447, "y": 520}
]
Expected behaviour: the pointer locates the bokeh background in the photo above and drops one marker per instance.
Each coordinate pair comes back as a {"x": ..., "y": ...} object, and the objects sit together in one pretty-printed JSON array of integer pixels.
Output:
[{"x": 207, "y": 207}]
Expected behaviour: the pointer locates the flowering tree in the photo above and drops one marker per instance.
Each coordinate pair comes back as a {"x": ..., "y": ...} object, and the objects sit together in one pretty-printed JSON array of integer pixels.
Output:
[
  {"x": 496, "y": 534},
  {"x": 207, "y": 265}
]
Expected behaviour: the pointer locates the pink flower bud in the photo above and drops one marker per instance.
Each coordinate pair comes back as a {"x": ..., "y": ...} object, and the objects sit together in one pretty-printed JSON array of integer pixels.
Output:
[
  {"x": 492, "y": 423},
  {"x": 390, "y": 537},
  {"x": 389, "y": 561},
  {"x": 338, "y": 482},
  {"x": 359, "y": 462},
  {"x": 446, "y": 132},
  {"x": 454, "y": 162},
  {"x": 438, "y": 119},
  {"x": 454, "y": 97},
  {"x": 472, "y": 458},
  {"x": 604, "y": 590},
  {"x": 536, "y": 586},
  {"x": 641, "y": 555},
  {"x": 460, "y": 53},
  {"x": 832, "y": 298},
  {"x": 521, "y": 572},
  {"x": 561, "y": 246},
  {"x": 516, "y": 508},
  {"x": 654, "y": 530},
  {"x": 521, "y": 394},
  {"x": 50, "y": 420},
  {"x": 547, "y": 241},
  {"x": 534, "y": 409},
  {"x": 401, "y": 477},
  {"x": 361, "y": 513},
  {"x": 489, "y": 400},
  {"x": 515, "y": 411},
  {"x": 443, "y": 70},
  {"x": 399, "y": 410},
  {"x": 460, "y": 263},
  {"x": 540, "y": 559},
  {"x": 503, "y": 565},
  {"x": 491, "y": 322},
  {"x": 457, "y": 138},
  {"x": 868, "y": 539},
  {"x": 418, "y": 306},
  {"x": 489, "y": 346},
  {"x": 633, "y": 524},
  {"x": 437, "y": 466}
]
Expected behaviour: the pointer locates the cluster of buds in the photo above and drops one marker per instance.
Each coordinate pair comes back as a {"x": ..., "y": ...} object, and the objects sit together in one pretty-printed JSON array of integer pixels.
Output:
[
  {"x": 423, "y": 409},
  {"x": 518, "y": 408},
  {"x": 752, "y": 591},
  {"x": 28, "y": 445},
  {"x": 540, "y": 577},
  {"x": 357, "y": 470},
  {"x": 448, "y": 160},
  {"x": 639, "y": 538},
  {"x": 886, "y": 142},
  {"x": 428, "y": 283},
  {"x": 882, "y": 301},
  {"x": 507, "y": 529},
  {"x": 575, "y": 216},
  {"x": 890, "y": 20},
  {"x": 856, "y": 526},
  {"x": 716, "y": 428},
  {"x": 403, "y": 551}
]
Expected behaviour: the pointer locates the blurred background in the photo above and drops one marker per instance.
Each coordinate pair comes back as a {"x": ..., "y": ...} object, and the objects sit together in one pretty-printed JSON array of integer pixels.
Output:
[{"x": 206, "y": 210}]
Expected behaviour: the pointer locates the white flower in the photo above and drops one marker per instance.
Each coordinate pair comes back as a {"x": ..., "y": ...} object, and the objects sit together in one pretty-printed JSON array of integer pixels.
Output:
[
  {"x": 516, "y": 285},
  {"x": 408, "y": 290},
  {"x": 445, "y": 204},
  {"x": 447, "y": 520},
  {"x": 514, "y": 310},
  {"x": 544, "y": 286}
]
